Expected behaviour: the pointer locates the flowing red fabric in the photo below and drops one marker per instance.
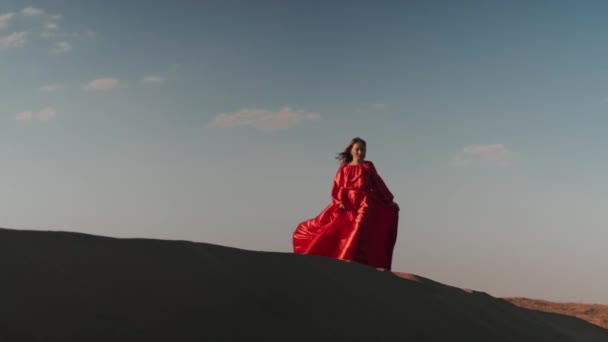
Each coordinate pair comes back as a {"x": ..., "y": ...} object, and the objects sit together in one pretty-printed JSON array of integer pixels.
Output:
[{"x": 364, "y": 231}]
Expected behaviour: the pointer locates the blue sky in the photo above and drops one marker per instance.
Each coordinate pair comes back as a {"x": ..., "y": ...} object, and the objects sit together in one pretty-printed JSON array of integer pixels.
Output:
[{"x": 218, "y": 121}]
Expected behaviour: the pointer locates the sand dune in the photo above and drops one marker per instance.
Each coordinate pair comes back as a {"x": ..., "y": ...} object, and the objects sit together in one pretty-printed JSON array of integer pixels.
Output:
[
  {"x": 592, "y": 313},
  {"x": 61, "y": 286}
]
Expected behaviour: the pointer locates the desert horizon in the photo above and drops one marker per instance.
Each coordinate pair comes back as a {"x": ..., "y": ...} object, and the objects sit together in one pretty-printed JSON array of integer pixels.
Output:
[
  {"x": 595, "y": 313},
  {"x": 168, "y": 167}
]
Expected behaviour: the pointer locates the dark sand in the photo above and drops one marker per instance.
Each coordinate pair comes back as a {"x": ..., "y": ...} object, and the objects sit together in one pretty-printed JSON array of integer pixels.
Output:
[{"x": 61, "y": 286}]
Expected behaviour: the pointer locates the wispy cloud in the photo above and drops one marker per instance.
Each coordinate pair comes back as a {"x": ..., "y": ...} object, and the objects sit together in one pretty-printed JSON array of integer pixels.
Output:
[
  {"x": 158, "y": 77},
  {"x": 87, "y": 34},
  {"x": 61, "y": 47},
  {"x": 497, "y": 154},
  {"x": 5, "y": 18},
  {"x": 44, "y": 114},
  {"x": 45, "y": 25},
  {"x": 265, "y": 120},
  {"x": 15, "y": 39},
  {"x": 54, "y": 34},
  {"x": 32, "y": 11},
  {"x": 51, "y": 87},
  {"x": 152, "y": 80},
  {"x": 25, "y": 116},
  {"x": 105, "y": 83}
]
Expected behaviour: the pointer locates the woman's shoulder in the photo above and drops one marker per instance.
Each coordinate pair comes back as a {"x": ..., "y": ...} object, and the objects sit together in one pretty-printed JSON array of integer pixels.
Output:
[
  {"x": 370, "y": 165},
  {"x": 342, "y": 166}
]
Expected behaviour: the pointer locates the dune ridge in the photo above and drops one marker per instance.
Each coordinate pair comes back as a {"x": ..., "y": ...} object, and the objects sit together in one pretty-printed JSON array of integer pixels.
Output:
[{"x": 65, "y": 286}]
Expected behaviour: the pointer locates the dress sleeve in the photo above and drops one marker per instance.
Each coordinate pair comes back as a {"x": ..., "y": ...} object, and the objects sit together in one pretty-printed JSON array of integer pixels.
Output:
[
  {"x": 380, "y": 187},
  {"x": 336, "y": 194}
]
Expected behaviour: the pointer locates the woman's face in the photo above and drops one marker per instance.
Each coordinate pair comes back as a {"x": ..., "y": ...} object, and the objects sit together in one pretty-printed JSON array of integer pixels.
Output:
[{"x": 358, "y": 152}]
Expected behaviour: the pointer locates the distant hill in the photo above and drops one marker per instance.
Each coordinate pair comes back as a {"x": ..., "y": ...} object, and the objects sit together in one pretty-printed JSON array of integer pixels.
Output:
[
  {"x": 593, "y": 313},
  {"x": 63, "y": 286}
]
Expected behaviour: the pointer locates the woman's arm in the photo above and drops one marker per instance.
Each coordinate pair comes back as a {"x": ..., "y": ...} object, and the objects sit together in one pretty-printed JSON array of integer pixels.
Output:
[
  {"x": 336, "y": 194},
  {"x": 384, "y": 194}
]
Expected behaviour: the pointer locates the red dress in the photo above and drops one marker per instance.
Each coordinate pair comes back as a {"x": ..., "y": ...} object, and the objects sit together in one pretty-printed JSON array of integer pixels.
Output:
[{"x": 364, "y": 231}]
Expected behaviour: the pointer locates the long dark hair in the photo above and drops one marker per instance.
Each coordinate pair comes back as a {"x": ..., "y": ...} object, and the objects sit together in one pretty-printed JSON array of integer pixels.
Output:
[{"x": 345, "y": 156}]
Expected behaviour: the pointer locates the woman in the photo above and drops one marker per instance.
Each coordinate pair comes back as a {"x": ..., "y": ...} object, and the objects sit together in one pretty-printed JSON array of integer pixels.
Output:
[{"x": 361, "y": 222}]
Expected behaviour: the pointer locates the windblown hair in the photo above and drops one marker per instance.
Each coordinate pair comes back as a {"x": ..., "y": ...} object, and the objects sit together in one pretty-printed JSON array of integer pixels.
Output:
[{"x": 345, "y": 156}]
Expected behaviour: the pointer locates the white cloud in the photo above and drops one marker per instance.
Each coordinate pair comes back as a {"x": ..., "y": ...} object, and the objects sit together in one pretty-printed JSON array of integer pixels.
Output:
[
  {"x": 61, "y": 47},
  {"x": 265, "y": 120},
  {"x": 88, "y": 34},
  {"x": 83, "y": 35},
  {"x": 44, "y": 114},
  {"x": 460, "y": 161},
  {"x": 152, "y": 80},
  {"x": 106, "y": 83},
  {"x": 61, "y": 42},
  {"x": 5, "y": 18},
  {"x": 44, "y": 25},
  {"x": 497, "y": 154},
  {"x": 51, "y": 87},
  {"x": 15, "y": 39},
  {"x": 53, "y": 35},
  {"x": 31, "y": 11},
  {"x": 25, "y": 116}
]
